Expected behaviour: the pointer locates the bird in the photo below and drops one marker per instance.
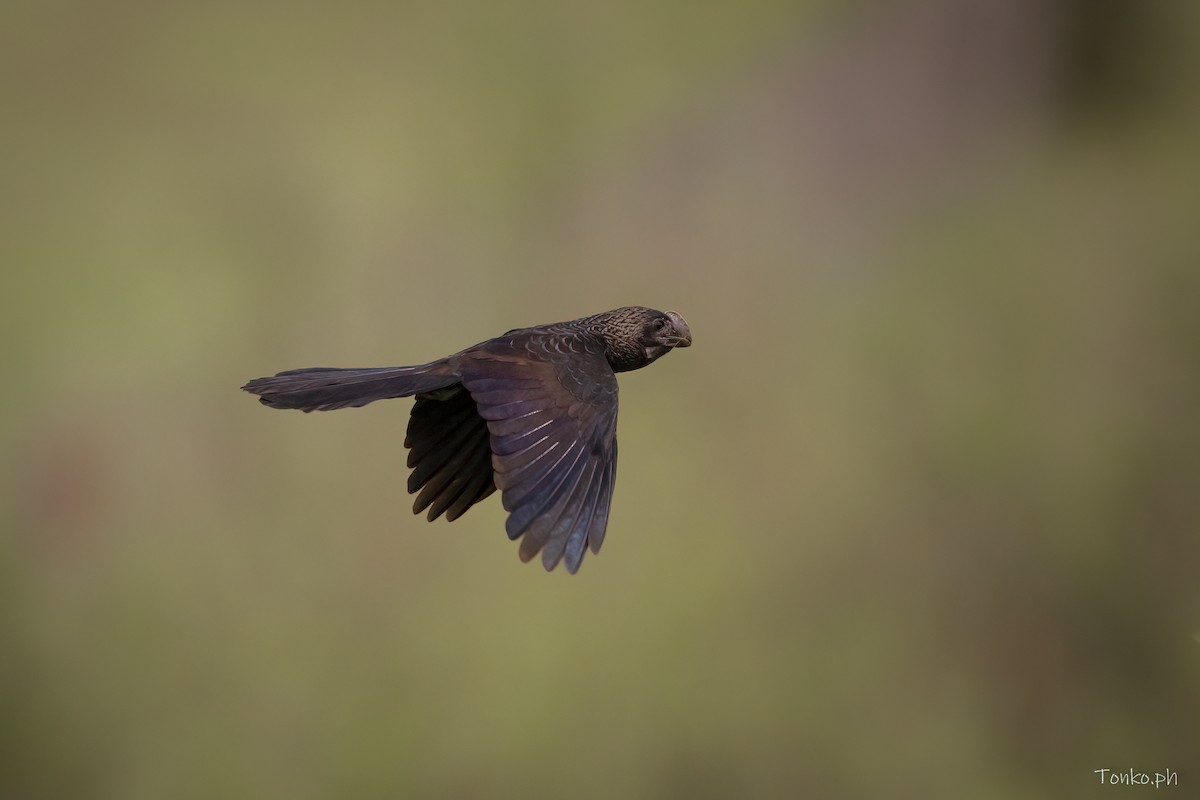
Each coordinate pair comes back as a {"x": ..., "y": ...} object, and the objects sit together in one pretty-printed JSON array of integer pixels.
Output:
[{"x": 532, "y": 413}]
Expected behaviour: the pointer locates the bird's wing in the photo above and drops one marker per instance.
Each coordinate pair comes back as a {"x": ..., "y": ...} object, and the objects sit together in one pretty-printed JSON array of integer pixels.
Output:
[
  {"x": 448, "y": 452},
  {"x": 550, "y": 401}
]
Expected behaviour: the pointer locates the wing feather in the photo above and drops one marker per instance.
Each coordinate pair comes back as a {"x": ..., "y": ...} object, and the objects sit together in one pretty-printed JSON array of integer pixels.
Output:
[
  {"x": 449, "y": 454},
  {"x": 603, "y": 504},
  {"x": 518, "y": 425},
  {"x": 478, "y": 486},
  {"x": 542, "y": 502},
  {"x": 512, "y": 445},
  {"x": 430, "y": 458},
  {"x": 539, "y": 532},
  {"x": 575, "y": 514},
  {"x": 531, "y": 488},
  {"x": 501, "y": 395},
  {"x": 444, "y": 485},
  {"x": 576, "y": 539},
  {"x": 550, "y": 406},
  {"x": 514, "y": 408}
]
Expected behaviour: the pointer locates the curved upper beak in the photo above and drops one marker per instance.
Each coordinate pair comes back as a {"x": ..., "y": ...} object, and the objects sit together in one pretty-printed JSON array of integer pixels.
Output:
[{"x": 682, "y": 332}]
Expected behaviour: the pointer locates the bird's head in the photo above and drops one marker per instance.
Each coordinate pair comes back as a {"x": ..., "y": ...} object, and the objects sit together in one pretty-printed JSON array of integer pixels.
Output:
[
  {"x": 663, "y": 332},
  {"x": 638, "y": 336}
]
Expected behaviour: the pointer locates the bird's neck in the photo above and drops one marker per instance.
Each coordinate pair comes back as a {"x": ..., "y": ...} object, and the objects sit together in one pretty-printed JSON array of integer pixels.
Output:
[
  {"x": 624, "y": 356},
  {"x": 623, "y": 351}
]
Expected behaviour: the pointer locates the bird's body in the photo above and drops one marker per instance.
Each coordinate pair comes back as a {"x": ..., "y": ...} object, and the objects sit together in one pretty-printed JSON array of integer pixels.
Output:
[{"x": 532, "y": 413}]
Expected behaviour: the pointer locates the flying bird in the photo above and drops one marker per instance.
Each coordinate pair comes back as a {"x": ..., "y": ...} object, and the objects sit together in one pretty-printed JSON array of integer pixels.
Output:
[{"x": 532, "y": 413}]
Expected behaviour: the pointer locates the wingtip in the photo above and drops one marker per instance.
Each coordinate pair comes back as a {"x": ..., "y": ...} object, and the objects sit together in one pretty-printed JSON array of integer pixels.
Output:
[{"x": 550, "y": 559}]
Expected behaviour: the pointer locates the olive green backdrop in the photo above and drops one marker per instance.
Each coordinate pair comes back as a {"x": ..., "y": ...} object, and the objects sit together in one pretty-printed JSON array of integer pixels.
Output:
[{"x": 915, "y": 517}]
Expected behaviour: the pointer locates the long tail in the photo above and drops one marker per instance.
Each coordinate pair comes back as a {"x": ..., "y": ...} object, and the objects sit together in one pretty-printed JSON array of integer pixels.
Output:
[{"x": 328, "y": 388}]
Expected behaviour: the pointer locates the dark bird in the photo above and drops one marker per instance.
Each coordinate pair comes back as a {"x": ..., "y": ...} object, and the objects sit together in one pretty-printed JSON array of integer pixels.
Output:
[{"x": 532, "y": 413}]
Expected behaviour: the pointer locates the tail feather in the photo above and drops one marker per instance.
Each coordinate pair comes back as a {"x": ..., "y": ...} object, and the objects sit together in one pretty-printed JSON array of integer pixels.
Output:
[{"x": 329, "y": 388}]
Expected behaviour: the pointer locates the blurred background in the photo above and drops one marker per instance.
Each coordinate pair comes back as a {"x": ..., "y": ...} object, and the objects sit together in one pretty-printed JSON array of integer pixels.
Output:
[{"x": 916, "y": 516}]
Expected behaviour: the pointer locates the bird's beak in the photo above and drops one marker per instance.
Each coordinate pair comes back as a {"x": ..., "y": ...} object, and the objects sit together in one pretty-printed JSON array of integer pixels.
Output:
[{"x": 682, "y": 331}]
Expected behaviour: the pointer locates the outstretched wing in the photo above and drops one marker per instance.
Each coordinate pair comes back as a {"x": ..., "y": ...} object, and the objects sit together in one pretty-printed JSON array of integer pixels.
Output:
[
  {"x": 550, "y": 401},
  {"x": 448, "y": 453}
]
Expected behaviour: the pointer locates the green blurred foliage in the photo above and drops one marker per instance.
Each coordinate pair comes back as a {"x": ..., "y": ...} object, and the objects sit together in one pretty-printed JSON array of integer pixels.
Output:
[{"x": 915, "y": 516}]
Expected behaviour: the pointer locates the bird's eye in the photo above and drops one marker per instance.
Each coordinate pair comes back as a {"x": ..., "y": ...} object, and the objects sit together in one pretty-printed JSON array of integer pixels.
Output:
[{"x": 660, "y": 323}]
